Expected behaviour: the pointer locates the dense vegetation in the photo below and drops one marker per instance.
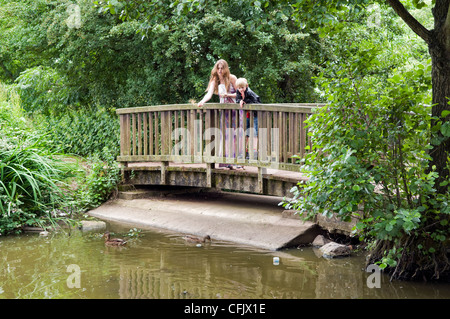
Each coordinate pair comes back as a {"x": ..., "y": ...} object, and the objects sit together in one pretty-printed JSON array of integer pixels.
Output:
[
  {"x": 379, "y": 149},
  {"x": 39, "y": 185}
]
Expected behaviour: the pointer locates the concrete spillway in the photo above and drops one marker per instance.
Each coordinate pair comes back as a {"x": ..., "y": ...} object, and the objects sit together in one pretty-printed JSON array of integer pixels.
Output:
[{"x": 246, "y": 219}]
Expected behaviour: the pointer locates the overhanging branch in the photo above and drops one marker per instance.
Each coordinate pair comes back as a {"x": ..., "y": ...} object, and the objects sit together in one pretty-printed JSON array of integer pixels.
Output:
[{"x": 415, "y": 25}]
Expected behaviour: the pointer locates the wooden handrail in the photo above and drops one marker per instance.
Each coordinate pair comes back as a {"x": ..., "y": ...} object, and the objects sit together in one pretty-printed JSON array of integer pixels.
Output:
[{"x": 216, "y": 133}]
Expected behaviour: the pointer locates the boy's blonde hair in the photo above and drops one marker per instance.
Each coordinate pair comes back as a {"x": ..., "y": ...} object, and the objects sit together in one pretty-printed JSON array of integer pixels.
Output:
[{"x": 241, "y": 83}]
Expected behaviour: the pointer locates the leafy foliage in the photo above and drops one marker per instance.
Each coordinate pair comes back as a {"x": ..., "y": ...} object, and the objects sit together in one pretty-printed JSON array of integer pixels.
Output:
[
  {"x": 103, "y": 61},
  {"x": 84, "y": 133},
  {"x": 103, "y": 175},
  {"x": 370, "y": 153}
]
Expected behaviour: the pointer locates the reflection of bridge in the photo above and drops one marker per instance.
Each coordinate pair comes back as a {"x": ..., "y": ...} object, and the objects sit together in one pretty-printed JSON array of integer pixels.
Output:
[
  {"x": 164, "y": 276},
  {"x": 180, "y": 145}
]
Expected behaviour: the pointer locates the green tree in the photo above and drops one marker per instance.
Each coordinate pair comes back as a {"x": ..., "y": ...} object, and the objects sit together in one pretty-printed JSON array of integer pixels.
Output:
[{"x": 101, "y": 60}]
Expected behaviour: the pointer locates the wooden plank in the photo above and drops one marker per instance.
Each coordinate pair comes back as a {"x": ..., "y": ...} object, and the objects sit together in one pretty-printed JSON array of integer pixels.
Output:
[
  {"x": 145, "y": 128},
  {"x": 274, "y": 107},
  {"x": 280, "y": 137},
  {"x": 290, "y": 137},
  {"x": 251, "y": 138},
  {"x": 208, "y": 127},
  {"x": 285, "y": 141},
  {"x": 176, "y": 132},
  {"x": 151, "y": 131},
  {"x": 296, "y": 149},
  {"x": 217, "y": 138},
  {"x": 183, "y": 127},
  {"x": 139, "y": 133},
  {"x": 271, "y": 136},
  {"x": 307, "y": 136},
  {"x": 133, "y": 137},
  {"x": 200, "y": 133},
  {"x": 169, "y": 119},
  {"x": 192, "y": 132},
  {"x": 261, "y": 137},
  {"x": 228, "y": 137},
  {"x": 166, "y": 125},
  {"x": 156, "y": 129},
  {"x": 124, "y": 135},
  {"x": 303, "y": 136},
  {"x": 237, "y": 131},
  {"x": 268, "y": 124}
]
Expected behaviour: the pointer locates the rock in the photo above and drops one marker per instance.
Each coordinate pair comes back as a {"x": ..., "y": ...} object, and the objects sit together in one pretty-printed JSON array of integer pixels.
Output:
[
  {"x": 332, "y": 250},
  {"x": 44, "y": 233},
  {"x": 29, "y": 229},
  {"x": 89, "y": 225},
  {"x": 320, "y": 240}
]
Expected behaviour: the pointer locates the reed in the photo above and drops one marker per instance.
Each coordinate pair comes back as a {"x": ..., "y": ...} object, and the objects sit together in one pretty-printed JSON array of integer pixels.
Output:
[{"x": 33, "y": 174}]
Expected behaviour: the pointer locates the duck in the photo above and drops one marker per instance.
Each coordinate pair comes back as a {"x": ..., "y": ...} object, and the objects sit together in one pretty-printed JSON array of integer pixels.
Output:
[
  {"x": 194, "y": 239},
  {"x": 113, "y": 241}
]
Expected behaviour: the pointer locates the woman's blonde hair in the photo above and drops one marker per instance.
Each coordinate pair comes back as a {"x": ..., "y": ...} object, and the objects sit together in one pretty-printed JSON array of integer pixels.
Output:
[{"x": 215, "y": 76}]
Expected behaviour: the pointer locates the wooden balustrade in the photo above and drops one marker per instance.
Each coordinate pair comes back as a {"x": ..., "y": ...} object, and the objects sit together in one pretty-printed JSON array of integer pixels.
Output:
[{"x": 215, "y": 133}]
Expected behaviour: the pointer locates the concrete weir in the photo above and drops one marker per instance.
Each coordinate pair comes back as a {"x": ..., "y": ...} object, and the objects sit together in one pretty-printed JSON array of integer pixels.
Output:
[{"x": 253, "y": 220}]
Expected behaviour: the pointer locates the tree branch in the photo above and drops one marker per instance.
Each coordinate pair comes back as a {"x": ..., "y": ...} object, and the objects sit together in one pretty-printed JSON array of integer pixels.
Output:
[{"x": 415, "y": 25}]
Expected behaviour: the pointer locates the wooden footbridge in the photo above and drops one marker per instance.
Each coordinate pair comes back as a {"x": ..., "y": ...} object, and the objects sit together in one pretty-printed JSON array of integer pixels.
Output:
[{"x": 183, "y": 145}]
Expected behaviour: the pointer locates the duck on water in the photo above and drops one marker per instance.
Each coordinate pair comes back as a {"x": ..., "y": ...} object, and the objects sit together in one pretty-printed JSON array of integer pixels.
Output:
[
  {"x": 195, "y": 239},
  {"x": 113, "y": 241}
]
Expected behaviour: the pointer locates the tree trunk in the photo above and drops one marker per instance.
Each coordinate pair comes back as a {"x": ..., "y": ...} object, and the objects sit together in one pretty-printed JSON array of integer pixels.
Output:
[
  {"x": 438, "y": 41},
  {"x": 439, "y": 47},
  {"x": 415, "y": 262}
]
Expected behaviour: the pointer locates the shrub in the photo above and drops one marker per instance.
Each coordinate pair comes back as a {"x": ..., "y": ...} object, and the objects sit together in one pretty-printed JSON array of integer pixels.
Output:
[
  {"x": 101, "y": 179},
  {"x": 369, "y": 160},
  {"x": 85, "y": 133}
]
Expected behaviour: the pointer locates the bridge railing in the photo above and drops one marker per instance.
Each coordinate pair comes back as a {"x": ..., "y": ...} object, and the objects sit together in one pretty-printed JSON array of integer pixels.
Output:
[{"x": 261, "y": 135}]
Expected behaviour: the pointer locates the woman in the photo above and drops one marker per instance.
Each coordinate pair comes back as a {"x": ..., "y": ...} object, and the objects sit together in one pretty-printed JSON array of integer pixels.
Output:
[{"x": 223, "y": 83}]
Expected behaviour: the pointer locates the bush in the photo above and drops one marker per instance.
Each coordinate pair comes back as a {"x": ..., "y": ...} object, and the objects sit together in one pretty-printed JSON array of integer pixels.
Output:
[
  {"x": 85, "y": 133},
  {"x": 98, "y": 181},
  {"x": 369, "y": 160}
]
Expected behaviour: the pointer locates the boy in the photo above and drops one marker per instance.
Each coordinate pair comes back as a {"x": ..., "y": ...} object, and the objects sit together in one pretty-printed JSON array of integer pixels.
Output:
[{"x": 245, "y": 95}]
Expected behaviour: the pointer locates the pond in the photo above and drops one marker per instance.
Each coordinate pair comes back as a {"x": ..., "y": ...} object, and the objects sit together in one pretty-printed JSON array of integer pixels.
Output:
[{"x": 159, "y": 264}]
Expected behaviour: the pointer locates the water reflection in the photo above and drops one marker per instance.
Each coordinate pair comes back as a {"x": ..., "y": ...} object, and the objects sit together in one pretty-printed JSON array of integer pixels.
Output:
[{"x": 162, "y": 265}]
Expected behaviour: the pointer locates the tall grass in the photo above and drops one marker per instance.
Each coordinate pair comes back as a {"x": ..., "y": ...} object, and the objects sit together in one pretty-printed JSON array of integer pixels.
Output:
[{"x": 33, "y": 174}]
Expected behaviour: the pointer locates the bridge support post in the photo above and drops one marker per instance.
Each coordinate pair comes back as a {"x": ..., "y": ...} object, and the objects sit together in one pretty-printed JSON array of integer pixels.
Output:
[
  {"x": 164, "y": 176},
  {"x": 123, "y": 165},
  {"x": 262, "y": 171},
  {"x": 210, "y": 181}
]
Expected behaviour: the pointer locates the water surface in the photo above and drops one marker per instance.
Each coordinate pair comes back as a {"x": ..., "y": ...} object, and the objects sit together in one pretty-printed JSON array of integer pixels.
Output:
[{"x": 160, "y": 264}]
